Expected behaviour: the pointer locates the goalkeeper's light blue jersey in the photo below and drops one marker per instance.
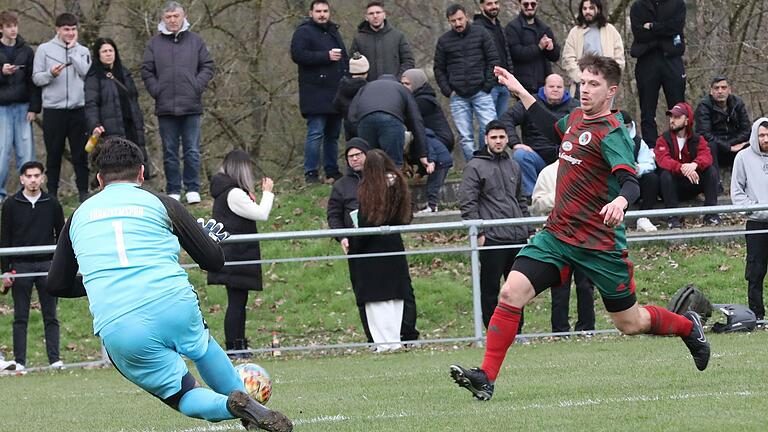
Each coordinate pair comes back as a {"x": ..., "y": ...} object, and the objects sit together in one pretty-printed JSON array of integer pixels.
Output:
[{"x": 127, "y": 252}]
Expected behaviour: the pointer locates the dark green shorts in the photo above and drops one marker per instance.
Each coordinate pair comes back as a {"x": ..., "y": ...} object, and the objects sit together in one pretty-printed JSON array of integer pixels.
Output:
[{"x": 611, "y": 271}]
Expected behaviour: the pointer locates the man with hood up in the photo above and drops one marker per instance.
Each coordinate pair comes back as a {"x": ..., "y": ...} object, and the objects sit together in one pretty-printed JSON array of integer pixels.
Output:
[
  {"x": 176, "y": 70},
  {"x": 749, "y": 186},
  {"x": 685, "y": 164},
  {"x": 386, "y": 47},
  {"x": 342, "y": 207}
]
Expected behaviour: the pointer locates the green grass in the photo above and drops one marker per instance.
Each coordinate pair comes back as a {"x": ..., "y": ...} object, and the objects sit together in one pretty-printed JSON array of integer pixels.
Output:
[{"x": 598, "y": 384}]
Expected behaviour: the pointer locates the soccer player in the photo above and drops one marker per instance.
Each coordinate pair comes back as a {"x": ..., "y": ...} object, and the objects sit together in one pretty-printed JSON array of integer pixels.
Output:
[
  {"x": 125, "y": 241},
  {"x": 595, "y": 184}
]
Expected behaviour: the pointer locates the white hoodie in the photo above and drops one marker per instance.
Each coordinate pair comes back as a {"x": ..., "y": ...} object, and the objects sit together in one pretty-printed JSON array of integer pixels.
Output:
[{"x": 749, "y": 182}]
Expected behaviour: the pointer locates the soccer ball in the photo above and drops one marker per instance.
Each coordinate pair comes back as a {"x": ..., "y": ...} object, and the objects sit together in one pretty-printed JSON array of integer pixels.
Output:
[{"x": 256, "y": 380}]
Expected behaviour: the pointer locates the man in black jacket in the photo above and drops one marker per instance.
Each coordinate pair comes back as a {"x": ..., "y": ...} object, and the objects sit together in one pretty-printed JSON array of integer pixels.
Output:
[
  {"x": 386, "y": 47},
  {"x": 532, "y": 46},
  {"x": 342, "y": 205},
  {"x": 464, "y": 60},
  {"x": 658, "y": 45},
  {"x": 722, "y": 119},
  {"x": 19, "y": 97},
  {"x": 489, "y": 18},
  {"x": 31, "y": 218}
]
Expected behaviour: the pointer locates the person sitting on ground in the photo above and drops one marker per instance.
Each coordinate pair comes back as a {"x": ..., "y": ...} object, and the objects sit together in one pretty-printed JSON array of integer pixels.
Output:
[{"x": 646, "y": 173}]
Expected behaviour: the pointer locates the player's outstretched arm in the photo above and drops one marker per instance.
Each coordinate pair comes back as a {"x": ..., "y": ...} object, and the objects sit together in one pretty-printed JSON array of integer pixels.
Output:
[
  {"x": 63, "y": 280},
  {"x": 202, "y": 248}
]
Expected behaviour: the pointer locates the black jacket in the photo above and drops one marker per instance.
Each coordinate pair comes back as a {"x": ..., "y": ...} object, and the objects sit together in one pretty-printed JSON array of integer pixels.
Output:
[
  {"x": 725, "y": 127},
  {"x": 318, "y": 76},
  {"x": 245, "y": 277},
  {"x": 19, "y": 88},
  {"x": 176, "y": 70},
  {"x": 668, "y": 18},
  {"x": 499, "y": 39},
  {"x": 24, "y": 224},
  {"x": 103, "y": 104},
  {"x": 532, "y": 65},
  {"x": 532, "y": 136},
  {"x": 433, "y": 116},
  {"x": 387, "y": 50},
  {"x": 464, "y": 62},
  {"x": 348, "y": 88},
  {"x": 343, "y": 198}
]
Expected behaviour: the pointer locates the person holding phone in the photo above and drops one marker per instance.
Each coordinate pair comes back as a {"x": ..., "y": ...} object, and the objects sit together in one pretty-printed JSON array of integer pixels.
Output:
[{"x": 60, "y": 67}]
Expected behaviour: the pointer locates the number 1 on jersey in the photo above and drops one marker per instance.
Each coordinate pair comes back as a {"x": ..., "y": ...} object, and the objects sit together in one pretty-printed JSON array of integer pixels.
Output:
[{"x": 120, "y": 243}]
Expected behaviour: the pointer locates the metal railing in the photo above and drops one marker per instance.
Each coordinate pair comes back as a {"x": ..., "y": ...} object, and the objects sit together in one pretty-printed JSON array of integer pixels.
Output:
[{"x": 473, "y": 227}]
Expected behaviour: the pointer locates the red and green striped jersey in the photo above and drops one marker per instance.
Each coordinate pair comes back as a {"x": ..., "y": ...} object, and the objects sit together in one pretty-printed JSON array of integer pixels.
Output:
[{"x": 591, "y": 150}]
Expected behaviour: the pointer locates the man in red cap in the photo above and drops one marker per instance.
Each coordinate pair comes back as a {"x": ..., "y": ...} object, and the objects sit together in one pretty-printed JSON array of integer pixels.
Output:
[{"x": 685, "y": 164}]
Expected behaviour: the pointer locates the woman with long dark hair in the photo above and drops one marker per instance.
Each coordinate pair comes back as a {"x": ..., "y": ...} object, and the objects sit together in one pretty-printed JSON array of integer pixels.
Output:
[
  {"x": 112, "y": 100},
  {"x": 382, "y": 282},
  {"x": 233, "y": 189}
]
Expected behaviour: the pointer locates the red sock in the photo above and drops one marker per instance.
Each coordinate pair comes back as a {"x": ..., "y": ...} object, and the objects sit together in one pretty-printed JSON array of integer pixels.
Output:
[
  {"x": 500, "y": 335},
  {"x": 664, "y": 322}
]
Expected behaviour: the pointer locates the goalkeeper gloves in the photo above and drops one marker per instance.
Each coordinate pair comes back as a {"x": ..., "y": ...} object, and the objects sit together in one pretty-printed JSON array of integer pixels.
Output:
[{"x": 215, "y": 230}]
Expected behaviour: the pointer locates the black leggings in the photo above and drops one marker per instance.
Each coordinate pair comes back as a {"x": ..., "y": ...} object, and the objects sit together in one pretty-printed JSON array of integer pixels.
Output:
[{"x": 234, "y": 319}]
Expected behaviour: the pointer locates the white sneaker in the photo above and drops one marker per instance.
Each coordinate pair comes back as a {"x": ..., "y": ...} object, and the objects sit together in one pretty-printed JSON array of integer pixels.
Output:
[
  {"x": 427, "y": 209},
  {"x": 193, "y": 197},
  {"x": 177, "y": 197},
  {"x": 644, "y": 224},
  {"x": 20, "y": 367},
  {"x": 7, "y": 365},
  {"x": 57, "y": 365}
]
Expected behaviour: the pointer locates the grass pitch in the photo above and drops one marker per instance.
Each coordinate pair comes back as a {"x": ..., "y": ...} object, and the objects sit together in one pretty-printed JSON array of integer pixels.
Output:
[{"x": 611, "y": 384}]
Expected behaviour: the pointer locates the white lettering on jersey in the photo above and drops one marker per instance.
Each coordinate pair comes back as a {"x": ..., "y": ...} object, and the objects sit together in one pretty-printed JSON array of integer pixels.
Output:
[
  {"x": 572, "y": 160},
  {"x": 101, "y": 213}
]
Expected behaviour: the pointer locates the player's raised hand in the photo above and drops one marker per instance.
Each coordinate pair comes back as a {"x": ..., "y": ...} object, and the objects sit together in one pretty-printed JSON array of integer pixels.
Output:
[{"x": 215, "y": 230}]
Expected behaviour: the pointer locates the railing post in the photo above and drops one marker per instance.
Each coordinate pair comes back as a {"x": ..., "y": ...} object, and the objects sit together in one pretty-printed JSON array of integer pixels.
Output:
[{"x": 477, "y": 310}]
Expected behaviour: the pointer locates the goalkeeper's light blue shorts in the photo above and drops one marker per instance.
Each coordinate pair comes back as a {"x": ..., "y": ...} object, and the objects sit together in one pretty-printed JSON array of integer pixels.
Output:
[{"x": 146, "y": 345}]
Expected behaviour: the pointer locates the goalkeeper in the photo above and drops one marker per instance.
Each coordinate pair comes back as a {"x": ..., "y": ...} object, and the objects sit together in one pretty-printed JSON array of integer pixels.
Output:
[{"x": 125, "y": 242}]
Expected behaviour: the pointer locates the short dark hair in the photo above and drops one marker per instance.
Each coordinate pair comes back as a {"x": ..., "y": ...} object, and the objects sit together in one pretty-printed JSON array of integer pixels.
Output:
[
  {"x": 314, "y": 2},
  {"x": 599, "y": 18},
  {"x": 763, "y": 124},
  {"x": 717, "y": 79},
  {"x": 452, "y": 9},
  {"x": 374, "y": 3},
  {"x": 494, "y": 124},
  {"x": 117, "y": 159},
  {"x": 8, "y": 18},
  {"x": 605, "y": 66},
  {"x": 30, "y": 165},
  {"x": 66, "y": 19}
]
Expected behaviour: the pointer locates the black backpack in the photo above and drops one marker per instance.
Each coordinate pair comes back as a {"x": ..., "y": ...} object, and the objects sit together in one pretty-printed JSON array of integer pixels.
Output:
[
  {"x": 739, "y": 319},
  {"x": 691, "y": 298}
]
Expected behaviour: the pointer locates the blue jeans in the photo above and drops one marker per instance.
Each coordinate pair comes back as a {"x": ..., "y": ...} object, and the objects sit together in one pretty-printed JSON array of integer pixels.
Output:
[
  {"x": 500, "y": 95},
  {"x": 322, "y": 130},
  {"x": 439, "y": 154},
  {"x": 187, "y": 130},
  {"x": 481, "y": 105},
  {"x": 15, "y": 136},
  {"x": 384, "y": 131},
  {"x": 531, "y": 165}
]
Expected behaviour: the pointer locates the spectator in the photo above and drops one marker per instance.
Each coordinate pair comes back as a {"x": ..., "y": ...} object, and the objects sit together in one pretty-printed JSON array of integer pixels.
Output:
[
  {"x": 31, "y": 218},
  {"x": 382, "y": 111},
  {"x": 438, "y": 132},
  {"x": 383, "y": 282},
  {"x": 592, "y": 34},
  {"x": 59, "y": 68},
  {"x": 234, "y": 205},
  {"x": 342, "y": 204},
  {"x": 542, "y": 203},
  {"x": 176, "y": 70},
  {"x": 19, "y": 98},
  {"x": 658, "y": 45},
  {"x": 532, "y": 46},
  {"x": 722, "y": 119},
  {"x": 319, "y": 52},
  {"x": 749, "y": 186},
  {"x": 385, "y": 47},
  {"x": 464, "y": 61},
  {"x": 489, "y": 18},
  {"x": 685, "y": 164},
  {"x": 112, "y": 100},
  {"x": 348, "y": 88},
  {"x": 646, "y": 173},
  {"x": 491, "y": 189},
  {"x": 536, "y": 150}
]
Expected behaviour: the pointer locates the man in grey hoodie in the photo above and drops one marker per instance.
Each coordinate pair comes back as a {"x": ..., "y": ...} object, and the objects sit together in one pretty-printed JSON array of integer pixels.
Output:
[
  {"x": 60, "y": 67},
  {"x": 176, "y": 70},
  {"x": 749, "y": 186}
]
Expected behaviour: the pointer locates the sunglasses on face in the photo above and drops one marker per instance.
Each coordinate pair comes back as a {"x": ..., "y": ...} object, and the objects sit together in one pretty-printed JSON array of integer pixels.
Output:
[{"x": 529, "y": 5}]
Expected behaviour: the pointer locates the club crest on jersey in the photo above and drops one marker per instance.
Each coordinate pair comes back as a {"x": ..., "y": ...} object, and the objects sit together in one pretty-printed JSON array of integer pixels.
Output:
[
  {"x": 567, "y": 146},
  {"x": 585, "y": 138}
]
